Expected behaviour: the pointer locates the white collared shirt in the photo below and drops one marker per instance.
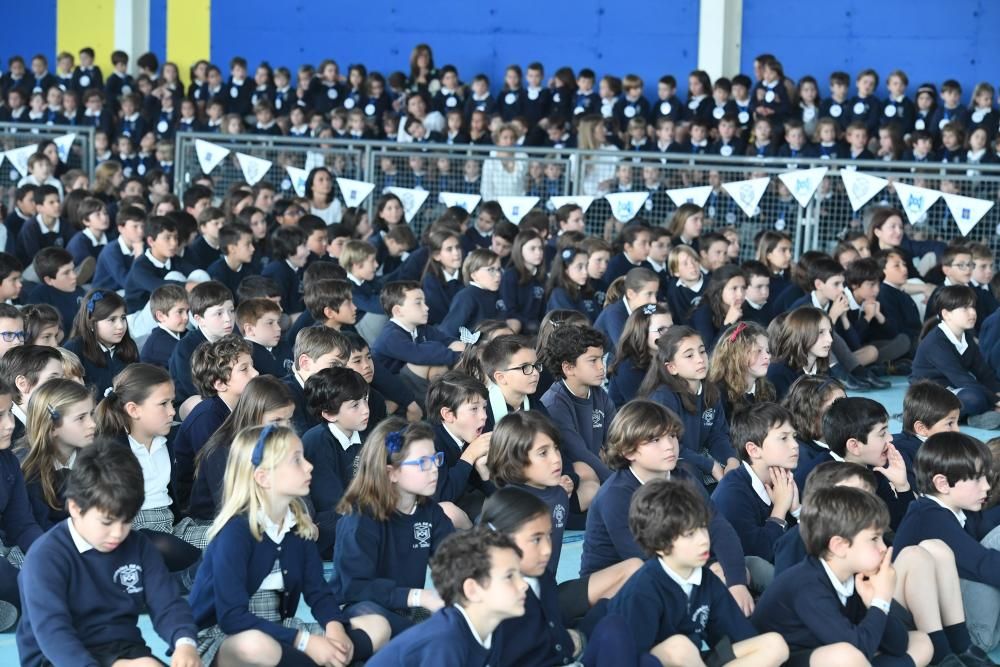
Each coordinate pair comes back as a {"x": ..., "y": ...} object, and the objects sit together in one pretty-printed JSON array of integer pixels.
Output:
[
  {"x": 959, "y": 514},
  {"x": 46, "y": 230},
  {"x": 851, "y": 301},
  {"x": 485, "y": 643},
  {"x": 357, "y": 281},
  {"x": 960, "y": 345},
  {"x": 171, "y": 333},
  {"x": 275, "y": 581},
  {"x": 498, "y": 403},
  {"x": 126, "y": 250},
  {"x": 93, "y": 239},
  {"x": 19, "y": 413},
  {"x": 535, "y": 586},
  {"x": 458, "y": 441},
  {"x": 758, "y": 485},
  {"x": 157, "y": 263},
  {"x": 407, "y": 329},
  {"x": 753, "y": 305},
  {"x": 345, "y": 442},
  {"x": 448, "y": 277},
  {"x": 844, "y": 590},
  {"x": 69, "y": 462},
  {"x": 814, "y": 297},
  {"x": 82, "y": 545},
  {"x": 155, "y": 464},
  {"x": 687, "y": 585},
  {"x": 659, "y": 268},
  {"x": 696, "y": 287}
]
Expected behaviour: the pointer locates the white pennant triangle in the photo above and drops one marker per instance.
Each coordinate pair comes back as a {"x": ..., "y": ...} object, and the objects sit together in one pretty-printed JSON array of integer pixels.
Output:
[
  {"x": 803, "y": 183},
  {"x": 967, "y": 211},
  {"x": 298, "y": 178},
  {"x": 861, "y": 187},
  {"x": 63, "y": 144},
  {"x": 19, "y": 157},
  {"x": 747, "y": 194},
  {"x": 515, "y": 208},
  {"x": 583, "y": 201},
  {"x": 460, "y": 199},
  {"x": 412, "y": 200},
  {"x": 209, "y": 155},
  {"x": 697, "y": 195},
  {"x": 254, "y": 168},
  {"x": 354, "y": 192},
  {"x": 625, "y": 205},
  {"x": 915, "y": 201}
]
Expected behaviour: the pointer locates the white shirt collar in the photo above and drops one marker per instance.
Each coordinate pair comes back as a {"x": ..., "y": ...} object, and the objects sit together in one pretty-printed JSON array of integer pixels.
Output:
[
  {"x": 815, "y": 301},
  {"x": 293, "y": 267},
  {"x": 485, "y": 643},
  {"x": 82, "y": 545},
  {"x": 844, "y": 590},
  {"x": 157, "y": 263},
  {"x": 69, "y": 462},
  {"x": 959, "y": 514},
  {"x": 758, "y": 485},
  {"x": 835, "y": 456},
  {"x": 158, "y": 442},
  {"x": 687, "y": 585},
  {"x": 124, "y": 246},
  {"x": 458, "y": 441},
  {"x": 406, "y": 328},
  {"x": 498, "y": 404},
  {"x": 535, "y": 586},
  {"x": 960, "y": 345},
  {"x": 475, "y": 284},
  {"x": 354, "y": 279},
  {"x": 659, "y": 268},
  {"x": 342, "y": 438},
  {"x": 628, "y": 309},
  {"x": 171, "y": 333},
  {"x": 275, "y": 532},
  {"x": 851, "y": 301},
  {"x": 19, "y": 413},
  {"x": 753, "y": 305},
  {"x": 448, "y": 277},
  {"x": 697, "y": 286},
  {"x": 46, "y": 230}
]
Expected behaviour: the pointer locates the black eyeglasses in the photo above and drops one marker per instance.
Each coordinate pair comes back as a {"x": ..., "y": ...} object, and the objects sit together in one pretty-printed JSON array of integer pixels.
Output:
[
  {"x": 11, "y": 336},
  {"x": 526, "y": 368},
  {"x": 659, "y": 330}
]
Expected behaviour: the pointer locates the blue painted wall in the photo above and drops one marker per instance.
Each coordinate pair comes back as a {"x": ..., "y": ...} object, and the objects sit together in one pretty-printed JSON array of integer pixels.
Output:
[
  {"x": 474, "y": 36},
  {"x": 27, "y": 28},
  {"x": 930, "y": 40}
]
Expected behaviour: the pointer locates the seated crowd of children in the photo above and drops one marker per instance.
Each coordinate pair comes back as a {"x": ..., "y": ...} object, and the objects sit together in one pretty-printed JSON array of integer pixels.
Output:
[{"x": 199, "y": 406}]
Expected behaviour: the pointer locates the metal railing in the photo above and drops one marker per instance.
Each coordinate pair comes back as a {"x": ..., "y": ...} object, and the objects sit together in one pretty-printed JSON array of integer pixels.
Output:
[
  {"x": 549, "y": 172},
  {"x": 18, "y": 135}
]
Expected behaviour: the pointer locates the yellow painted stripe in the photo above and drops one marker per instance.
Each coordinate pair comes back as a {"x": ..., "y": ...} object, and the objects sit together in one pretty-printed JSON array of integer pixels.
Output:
[
  {"x": 188, "y": 32},
  {"x": 91, "y": 23}
]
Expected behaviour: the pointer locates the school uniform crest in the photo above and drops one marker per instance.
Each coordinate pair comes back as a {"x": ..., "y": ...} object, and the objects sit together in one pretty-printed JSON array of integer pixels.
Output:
[
  {"x": 538, "y": 292},
  {"x": 598, "y": 418},
  {"x": 559, "y": 516},
  {"x": 700, "y": 617},
  {"x": 501, "y": 306},
  {"x": 708, "y": 417},
  {"x": 129, "y": 577},
  {"x": 422, "y": 534}
]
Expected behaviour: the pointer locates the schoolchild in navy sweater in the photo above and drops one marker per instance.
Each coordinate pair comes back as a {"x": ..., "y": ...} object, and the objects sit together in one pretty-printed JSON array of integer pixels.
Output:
[
  {"x": 641, "y": 288},
  {"x": 480, "y": 299},
  {"x": 58, "y": 288},
  {"x": 152, "y": 269},
  {"x": 288, "y": 259},
  {"x": 101, "y": 339},
  {"x": 442, "y": 278},
  {"x": 115, "y": 259},
  {"x": 260, "y": 321},
  {"x": 389, "y": 526},
  {"x": 85, "y": 582},
  {"x": 89, "y": 241},
  {"x": 207, "y": 246},
  {"x": 236, "y": 262},
  {"x": 212, "y": 311},
  {"x": 45, "y": 230},
  {"x": 407, "y": 340},
  {"x": 576, "y": 402},
  {"x": 676, "y": 379},
  {"x": 635, "y": 240},
  {"x": 670, "y": 520},
  {"x": 358, "y": 259},
  {"x": 685, "y": 289},
  {"x": 818, "y": 603},
  {"x": 512, "y": 370},
  {"x": 522, "y": 286},
  {"x": 169, "y": 305},
  {"x": 258, "y": 565},
  {"x": 896, "y": 305}
]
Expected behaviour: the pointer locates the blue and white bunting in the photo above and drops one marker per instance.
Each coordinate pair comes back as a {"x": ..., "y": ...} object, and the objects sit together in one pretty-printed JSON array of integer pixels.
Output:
[
  {"x": 297, "y": 178},
  {"x": 626, "y": 205},
  {"x": 253, "y": 168},
  {"x": 697, "y": 195},
  {"x": 19, "y": 157},
  {"x": 460, "y": 199},
  {"x": 861, "y": 187},
  {"x": 209, "y": 155},
  {"x": 914, "y": 200},
  {"x": 803, "y": 183},
  {"x": 583, "y": 201},
  {"x": 354, "y": 192},
  {"x": 63, "y": 144},
  {"x": 515, "y": 208},
  {"x": 747, "y": 194},
  {"x": 411, "y": 198},
  {"x": 967, "y": 211}
]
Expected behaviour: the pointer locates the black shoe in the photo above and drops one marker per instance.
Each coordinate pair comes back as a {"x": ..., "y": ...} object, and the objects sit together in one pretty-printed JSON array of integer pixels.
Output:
[
  {"x": 878, "y": 370},
  {"x": 852, "y": 382},
  {"x": 901, "y": 367},
  {"x": 874, "y": 380},
  {"x": 975, "y": 657}
]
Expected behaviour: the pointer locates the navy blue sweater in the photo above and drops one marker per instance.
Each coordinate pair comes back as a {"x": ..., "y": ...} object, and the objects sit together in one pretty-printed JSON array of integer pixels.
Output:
[
  {"x": 802, "y": 606},
  {"x": 926, "y": 520},
  {"x": 143, "y": 277},
  {"x": 747, "y": 513},
  {"x": 46, "y": 515},
  {"x": 31, "y": 239},
  {"x": 380, "y": 561},
  {"x": 180, "y": 365},
  {"x": 98, "y": 377},
  {"x": 611, "y": 322},
  {"x": 16, "y": 519},
  {"x": 333, "y": 469},
  {"x": 559, "y": 299},
  {"x": 219, "y": 270},
  {"x": 683, "y": 300},
  {"x": 81, "y": 247},
  {"x": 395, "y": 347},
  {"x": 706, "y": 431},
  {"x": 537, "y": 639},
  {"x": 112, "y": 268},
  {"x": 268, "y": 362},
  {"x": 72, "y": 600},
  {"x": 302, "y": 418},
  {"x": 782, "y": 376},
  {"x": 456, "y": 477},
  {"x": 206, "y": 490},
  {"x": 989, "y": 338},
  {"x": 289, "y": 283},
  {"x": 939, "y": 361},
  {"x": 366, "y": 298},
  {"x": 67, "y": 303},
  {"x": 201, "y": 255},
  {"x": 619, "y": 265},
  {"x": 583, "y": 424},
  {"x": 608, "y": 539},
  {"x": 158, "y": 348},
  {"x": 233, "y": 568},
  {"x": 655, "y": 607},
  {"x": 899, "y": 308},
  {"x": 525, "y": 302},
  {"x": 624, "y": 384},
  {"x": 438, "y": 296},
  {"x": 558, "y": 502},
  {"x": 444, "y": 640},
  {"x": 471, "y": 306},
  {"x": 204, "y": 420}
]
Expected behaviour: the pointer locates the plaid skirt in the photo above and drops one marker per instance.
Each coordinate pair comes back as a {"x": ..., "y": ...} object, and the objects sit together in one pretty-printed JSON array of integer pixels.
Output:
[
  {"x": 264, "y": 604},
  {"x": 12, "y": 555},
  {"x": 161, "y": 520}
]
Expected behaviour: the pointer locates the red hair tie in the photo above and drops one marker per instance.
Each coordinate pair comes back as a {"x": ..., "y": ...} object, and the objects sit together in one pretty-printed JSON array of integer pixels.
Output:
[{"x": 739, "y": 329}]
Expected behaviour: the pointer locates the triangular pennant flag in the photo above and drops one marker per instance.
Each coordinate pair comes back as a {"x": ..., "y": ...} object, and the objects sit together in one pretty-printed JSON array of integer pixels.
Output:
[
  {"x": 412, "y": 200},
  {"x": 967, "y": 211},
  {"x": 625, "y": 205},
  {"x": 915, "y": 201},
  {"x": 63, "y": 144},
  {"x": 861, "y": 187},
  {"x": 298, "y": 179},
  {"x": 747, "y": 194},
  {"x": 803, "y": 183},
  {"x": 697, "y": 196},
  {"x": 19, "y": 157},
  {"x": 209, "y": 155},
  {"x": 583, "y": 201},
  {"x": 515, "y": 208},
  {"x": 254, "y": 168},
  {"x": 354, "y": 192},
  {"x": 460, "y": 199}
]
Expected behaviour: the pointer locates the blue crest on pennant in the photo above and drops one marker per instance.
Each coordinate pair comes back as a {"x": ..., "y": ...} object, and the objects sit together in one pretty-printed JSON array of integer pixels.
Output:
[
  {"x": 966, "y": 214},
  {"x": 801, "y": 184},
  {"x": 914, "y": 202},
  {"x": 354, "y": 194},
  {"x": 689, "y": 200},
  {"x": 208, "y": 156},
  {"x": 746, "y": 194},
  {"x": 515, "y": 210},
  {"x": 625, "y": 208}
]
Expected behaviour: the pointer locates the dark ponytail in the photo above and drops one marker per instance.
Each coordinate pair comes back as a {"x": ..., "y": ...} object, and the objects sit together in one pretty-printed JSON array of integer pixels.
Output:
[{"x": 509, "y": 508}]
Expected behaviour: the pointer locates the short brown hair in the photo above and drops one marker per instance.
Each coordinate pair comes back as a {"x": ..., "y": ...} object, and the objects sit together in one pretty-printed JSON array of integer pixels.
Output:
[
  {"x": 832, "y": 473},
  {"x": 839, "y": 511},
  {"x": 316, "y": 341},
  {"x": 394, "y": 294},
  {"x": 354, "y": 253},
  {"x": 511, "y": 443},
  {"x": 638, "y": 422},
  {"x": 48, "y": 261},
  {"x": 323, "y": 294},
  {"x": 251, "y": 310},
  {"x": 207, "y": 295},
  {"x": 213, "y": 362},
  {"x": 166, "y": 297},
  {"x": 663, "y": 510},
  {"x": 466, "y": 555}
]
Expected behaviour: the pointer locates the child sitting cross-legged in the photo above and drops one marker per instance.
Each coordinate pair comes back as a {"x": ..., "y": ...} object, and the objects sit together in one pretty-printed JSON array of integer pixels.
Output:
[{"x": 674, "y": 605}]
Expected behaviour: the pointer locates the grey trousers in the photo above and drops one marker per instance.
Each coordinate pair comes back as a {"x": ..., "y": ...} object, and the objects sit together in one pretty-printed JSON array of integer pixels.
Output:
[{"x": 982, "y": 604}]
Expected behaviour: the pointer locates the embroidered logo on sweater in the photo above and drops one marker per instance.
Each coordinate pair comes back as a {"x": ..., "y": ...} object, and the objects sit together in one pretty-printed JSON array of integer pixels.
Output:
[
  {"x": 598, "y": 419},
  {"x": 700, "y": 618},
  {"x": 708, "y": 417},
  {"x": 559, "y": 516},
  {"x": 538, "y": 292},
  {"x": 129, "y": 576},
  {"x": 422, "y": 534}
]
